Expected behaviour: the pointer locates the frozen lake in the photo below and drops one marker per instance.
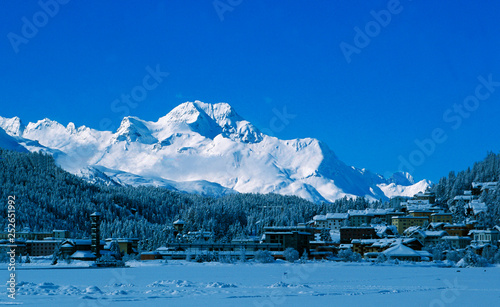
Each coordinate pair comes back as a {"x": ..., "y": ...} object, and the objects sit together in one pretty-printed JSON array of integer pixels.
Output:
[{"x": 180, "y": 283}]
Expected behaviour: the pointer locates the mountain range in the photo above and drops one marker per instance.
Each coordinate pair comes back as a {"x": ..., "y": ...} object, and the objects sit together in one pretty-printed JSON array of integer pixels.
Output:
[{"x": 203, "y": 148}]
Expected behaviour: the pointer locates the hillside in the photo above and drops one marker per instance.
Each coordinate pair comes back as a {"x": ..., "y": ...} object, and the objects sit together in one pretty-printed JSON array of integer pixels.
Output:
[
  {"x": 50, "y": 198},
  {"x": 454, "y": 184}
]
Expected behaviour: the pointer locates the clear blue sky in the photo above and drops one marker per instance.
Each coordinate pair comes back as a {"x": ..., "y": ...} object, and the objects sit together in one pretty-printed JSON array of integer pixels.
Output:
[{"x": 261, "y": 56}]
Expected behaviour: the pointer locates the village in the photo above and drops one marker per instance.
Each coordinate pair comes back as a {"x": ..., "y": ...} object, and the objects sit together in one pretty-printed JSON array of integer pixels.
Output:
[{"x": 408, "y": 234}]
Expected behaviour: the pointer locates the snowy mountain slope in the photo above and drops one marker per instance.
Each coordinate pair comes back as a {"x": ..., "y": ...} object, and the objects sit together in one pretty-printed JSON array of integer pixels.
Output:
[
  {"x": 208, "y": 149},
  {"x": 9, "y": 142},
  {"x": 103, "y": 175},
  {"x": 391, "y": 190}
]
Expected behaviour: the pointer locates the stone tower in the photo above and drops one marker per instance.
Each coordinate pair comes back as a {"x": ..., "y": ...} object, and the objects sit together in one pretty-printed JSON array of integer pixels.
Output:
[{"x": 95, "y": 236}]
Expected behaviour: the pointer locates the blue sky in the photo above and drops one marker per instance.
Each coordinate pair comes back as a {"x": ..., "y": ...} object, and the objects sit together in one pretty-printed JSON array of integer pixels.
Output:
[{"x": 406, "y": 82}]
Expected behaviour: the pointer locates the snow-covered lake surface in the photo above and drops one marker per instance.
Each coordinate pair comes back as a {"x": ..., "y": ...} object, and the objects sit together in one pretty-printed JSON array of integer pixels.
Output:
[{"x": 179, "y": 283}]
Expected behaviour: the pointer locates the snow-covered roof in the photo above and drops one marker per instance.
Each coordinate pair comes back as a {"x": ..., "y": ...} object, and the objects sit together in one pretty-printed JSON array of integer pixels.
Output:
[
  {"x": 412, "y": 229},
  {"x": 345, "y": 246},
  {"x": 383, "y": 229},
  {"x": 425, "y": 233},
  {"x": 437, "y": 225},
  {"x": 83, "y": 255},
  {"x": 332, "y": 216},
  {"x": 463, "y": 197},
  {"x": 319, "y": 218},
  {"x": 423, "y": 253},
  {"x": 341, "y": 216},
  {"x": 494, "y": 230},
  {"x": 358, "y": 212},
  {"x": 477, "y": 207},
  {"x": 441, "y": 213},
  {"x": 400, "y": 250},
  {"x": 438, "y": 233},
  {"x": 179, "y": 222},
  {"x": 369, "y": 212},
  {"x": 484, "y": 185},
  {"x": 416, "y": 202}
]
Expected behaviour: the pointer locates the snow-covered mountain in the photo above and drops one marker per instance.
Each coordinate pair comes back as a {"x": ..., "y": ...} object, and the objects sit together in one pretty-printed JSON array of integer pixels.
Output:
[{"x": 203, "y": 148}]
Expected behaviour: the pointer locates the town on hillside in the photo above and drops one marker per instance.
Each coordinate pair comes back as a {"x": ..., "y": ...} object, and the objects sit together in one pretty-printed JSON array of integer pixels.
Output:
[{"x": 421, "y": 230}]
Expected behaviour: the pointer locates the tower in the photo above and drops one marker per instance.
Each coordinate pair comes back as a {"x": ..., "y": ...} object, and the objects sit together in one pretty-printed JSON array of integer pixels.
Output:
[{"x": 95, "y": 234}]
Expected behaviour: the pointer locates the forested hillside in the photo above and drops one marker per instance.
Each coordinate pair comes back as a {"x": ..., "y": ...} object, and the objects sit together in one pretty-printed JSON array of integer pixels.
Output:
[
  {"x": 51, "y": 198},
  {"x": 487, "y": 170}
]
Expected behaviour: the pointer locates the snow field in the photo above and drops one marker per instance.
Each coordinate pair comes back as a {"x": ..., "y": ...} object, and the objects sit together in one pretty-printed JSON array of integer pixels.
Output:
[{"x": 249, "y": 284}]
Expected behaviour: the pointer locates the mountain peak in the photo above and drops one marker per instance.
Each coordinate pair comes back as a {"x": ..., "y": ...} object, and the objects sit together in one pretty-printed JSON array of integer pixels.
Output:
[
  {"x": 13, "y": 126},
  {"x": 205, "y": 144},
  {"x": 221, "y": 112},
  {"x": 232, "y": 124},
  {"x": 402, "y": 178},
  {"x": 210, "y": 120},
  {"x": 44, "y": 123},
  {"x": 133, "y": 129}
]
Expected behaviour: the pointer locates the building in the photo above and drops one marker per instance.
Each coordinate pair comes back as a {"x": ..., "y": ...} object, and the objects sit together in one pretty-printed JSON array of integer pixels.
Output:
[
  {"x": 421, "y": 213},
  {"x": 154, "y": 255},
  {"x": 402, "y": 252},
  {"x": 70, "y": 246},
  {"x": 479, "y": 187},
  {"x": 460, "y": 230},
  {"x": 39, "y": 243},
  {"x": 27, "y": 234},
  {"x": 297, "y": 237},
  {"x": 230, "y": 250},
  {"x": 83, "y": 256},
  {"x": 489, "y": 236},
  {"x": 441, "y": 217},
  {"x": 60, "y": 234},
  {"x": 425, "y": 196},
  {"x": 359, "y": 218},
  {"x": 331, "y": 220},
  {"x": 347, "y": 234},
  {"x": 457, "y": 242},
  {"x": 42, "y": 247},
  {"x": 436, "y": 226},
  {"x": 95, "y": 234},
  {"x": 421, "y": 202},
  {"x": 337, "y": 220},
  {"x": 404, "y": 222},
  {"x": 6, "y": 245},
  {"x": 320, "y": 221},
  {"x": 197, "y": 236},
  {"x": 475, "y": 207},
  {"x": 127, "y": 245},
  {"x": 379, "y": 245},
  {"x": 355, "y": 218},
  {"x": 466, "y": 197},
  {"x": 427, "y": 237}
]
